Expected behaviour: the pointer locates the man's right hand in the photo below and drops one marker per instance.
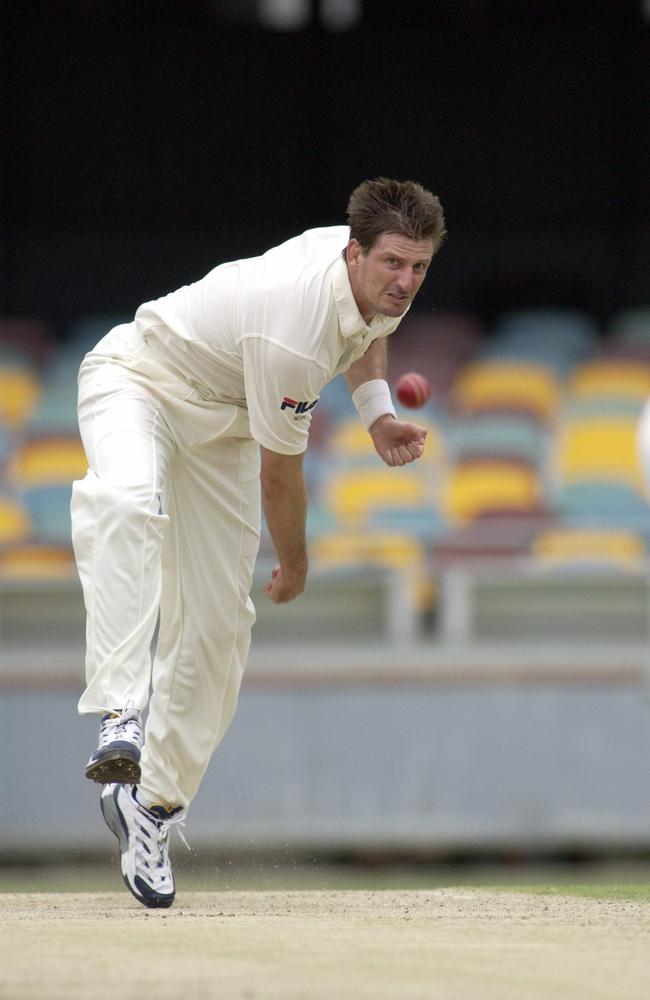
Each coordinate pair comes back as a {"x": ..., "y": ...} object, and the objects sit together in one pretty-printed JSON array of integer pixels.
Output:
[{"x": 281, "y": 588}]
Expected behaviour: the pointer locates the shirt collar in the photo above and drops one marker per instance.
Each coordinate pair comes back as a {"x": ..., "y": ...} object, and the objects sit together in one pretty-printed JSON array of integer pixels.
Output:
[{"x": 351, "y": 321}]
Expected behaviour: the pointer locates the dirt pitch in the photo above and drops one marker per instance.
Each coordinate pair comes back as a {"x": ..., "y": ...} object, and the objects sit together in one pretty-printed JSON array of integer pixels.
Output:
[{"x": 438, "y": 944}]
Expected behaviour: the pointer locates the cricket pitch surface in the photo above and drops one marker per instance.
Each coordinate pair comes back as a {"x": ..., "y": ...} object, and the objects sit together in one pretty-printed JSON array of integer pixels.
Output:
[{"x": 442, "y": 944}]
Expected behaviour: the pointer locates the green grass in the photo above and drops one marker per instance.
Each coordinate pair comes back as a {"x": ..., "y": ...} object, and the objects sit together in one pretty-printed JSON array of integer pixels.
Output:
[
  {"x": 614, "y": 881},
  {"x": 637, "y": 892}
]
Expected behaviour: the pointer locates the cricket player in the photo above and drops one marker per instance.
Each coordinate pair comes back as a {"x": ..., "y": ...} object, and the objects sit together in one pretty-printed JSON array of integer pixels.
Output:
[{"x": 190, "y": 416}]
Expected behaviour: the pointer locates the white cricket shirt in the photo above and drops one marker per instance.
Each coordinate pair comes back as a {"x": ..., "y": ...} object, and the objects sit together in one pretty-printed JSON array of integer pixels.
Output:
[{"x": 267, "y": 333}]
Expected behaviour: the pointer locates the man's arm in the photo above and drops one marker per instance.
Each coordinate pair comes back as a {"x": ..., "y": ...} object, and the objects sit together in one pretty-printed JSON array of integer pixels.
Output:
[
  {"x": 284, "y": 497},
  {"x": 372, "y": 364},
  {"x": 395, "y": 441}
]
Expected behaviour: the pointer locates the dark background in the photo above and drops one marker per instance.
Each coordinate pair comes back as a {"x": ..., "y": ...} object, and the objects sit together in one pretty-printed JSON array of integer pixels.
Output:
[{"x": 143, "y": 143}]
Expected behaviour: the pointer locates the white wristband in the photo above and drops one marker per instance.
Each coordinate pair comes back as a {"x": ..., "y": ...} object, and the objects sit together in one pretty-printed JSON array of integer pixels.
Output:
[{"x": 372, "y": 400}]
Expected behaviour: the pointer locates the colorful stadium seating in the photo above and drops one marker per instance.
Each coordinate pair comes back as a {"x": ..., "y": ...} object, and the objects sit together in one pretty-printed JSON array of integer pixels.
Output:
[
  {"x": 531, "y": 445},
  {"x": 508, "y": 386}
]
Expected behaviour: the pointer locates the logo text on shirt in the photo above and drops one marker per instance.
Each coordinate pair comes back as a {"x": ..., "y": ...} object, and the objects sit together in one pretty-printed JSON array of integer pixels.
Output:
[{"x": 298, "y": 406}]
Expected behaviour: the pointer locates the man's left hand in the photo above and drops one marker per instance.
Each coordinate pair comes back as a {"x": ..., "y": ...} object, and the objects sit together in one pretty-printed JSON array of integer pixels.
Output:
[{"x": 396, "y": 442}]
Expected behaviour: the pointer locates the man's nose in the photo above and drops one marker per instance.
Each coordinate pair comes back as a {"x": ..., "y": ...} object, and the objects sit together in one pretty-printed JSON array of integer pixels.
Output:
[{"x": 406, "y": 279}]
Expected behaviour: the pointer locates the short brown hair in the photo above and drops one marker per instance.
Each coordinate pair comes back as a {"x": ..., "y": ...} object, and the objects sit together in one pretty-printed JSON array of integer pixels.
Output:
[{"x": 387, "y": 206}]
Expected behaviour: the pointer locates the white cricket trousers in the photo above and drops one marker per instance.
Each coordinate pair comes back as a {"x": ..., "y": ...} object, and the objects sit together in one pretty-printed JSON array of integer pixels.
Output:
[{"x": 165, "y": 521}]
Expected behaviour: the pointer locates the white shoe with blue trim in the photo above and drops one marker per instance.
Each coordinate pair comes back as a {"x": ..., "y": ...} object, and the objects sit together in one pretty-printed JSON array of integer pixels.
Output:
[
  {"x": 143, "y": 835},
  {"x": 117, "y": 758}
]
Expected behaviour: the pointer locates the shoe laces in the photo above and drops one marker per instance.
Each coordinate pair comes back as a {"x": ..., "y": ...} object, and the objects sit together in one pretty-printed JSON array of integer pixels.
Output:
[
  {"x": 124, "y": 724},
  {"x": 152, "y": 842}
]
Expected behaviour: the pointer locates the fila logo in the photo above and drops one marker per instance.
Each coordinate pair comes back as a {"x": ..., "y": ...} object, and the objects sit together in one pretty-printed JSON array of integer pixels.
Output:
[{"x": 299, "y": 407}]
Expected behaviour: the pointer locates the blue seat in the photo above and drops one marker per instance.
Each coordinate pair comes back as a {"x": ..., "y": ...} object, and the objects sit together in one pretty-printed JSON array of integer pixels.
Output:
[
  {"x": 498, "y": 436},
  {"x": 603, "y": 503},
  {"x": 48, "y": 508},
  {"x": 558, "y": 338}
]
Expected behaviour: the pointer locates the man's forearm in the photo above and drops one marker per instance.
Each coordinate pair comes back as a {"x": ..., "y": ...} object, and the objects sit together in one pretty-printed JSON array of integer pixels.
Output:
[
  {"x": 373, "y": 364},
  {"x": 285, "y": 509},
  {"x": 284, "y": 498}
]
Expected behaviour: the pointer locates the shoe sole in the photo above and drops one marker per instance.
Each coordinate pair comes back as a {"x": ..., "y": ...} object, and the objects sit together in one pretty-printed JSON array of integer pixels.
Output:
[
  {"x": 117, "y": 825},
  {"x": 114, "y": 769}
]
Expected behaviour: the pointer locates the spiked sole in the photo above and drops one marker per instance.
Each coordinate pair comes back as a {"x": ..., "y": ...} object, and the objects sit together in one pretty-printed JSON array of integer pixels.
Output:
[
  {"x": 116, "y": 824},
  {"x": 115, "y": 769}
]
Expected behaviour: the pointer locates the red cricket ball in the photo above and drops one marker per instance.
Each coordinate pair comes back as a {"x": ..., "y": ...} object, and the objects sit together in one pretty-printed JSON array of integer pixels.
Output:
[{"x": 412, "y": 390}]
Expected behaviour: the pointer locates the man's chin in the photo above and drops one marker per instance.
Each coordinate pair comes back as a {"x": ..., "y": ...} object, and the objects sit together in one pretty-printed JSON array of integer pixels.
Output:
[{"x": 394, "y": 308}]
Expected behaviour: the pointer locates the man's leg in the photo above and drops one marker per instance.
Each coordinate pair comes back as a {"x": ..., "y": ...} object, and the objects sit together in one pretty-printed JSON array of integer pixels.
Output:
[
  {"x": 205, "y": 616},
  {"x": 117, "y": 532}
]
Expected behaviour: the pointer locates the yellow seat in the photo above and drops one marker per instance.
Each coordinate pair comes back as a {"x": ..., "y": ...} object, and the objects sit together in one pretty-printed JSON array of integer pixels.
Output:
[
  {"x": 599, "y": 448},
  {"x": 480, "y": 487},
  {"x": 570, "y": 547},
  {"x": 14, "y": 521},
  {"x": 401, "y": 552},
  {"x": 346, "y": 548},
  {"x": 37, "y": 562},
  {"x": 19, "y": 393},
  {"x": 49, "y": 460},
  {"x": 507, "y": 385},
  {"x": 354, "y": 495},
  {"x": 606, "y": 378}
]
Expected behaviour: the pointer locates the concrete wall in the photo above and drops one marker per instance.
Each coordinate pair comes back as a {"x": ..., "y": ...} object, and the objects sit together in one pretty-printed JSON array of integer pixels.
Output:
[{"x": 405, "y": 766}]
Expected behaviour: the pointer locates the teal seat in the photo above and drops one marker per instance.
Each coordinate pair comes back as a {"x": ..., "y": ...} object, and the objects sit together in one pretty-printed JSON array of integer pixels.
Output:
[
  {"x": 558, "y": 338},
  {"x": 48, "y": 508},
  {"x": 498, "y": 436},
  {"x": 603, "y": 503},
  {"x": 578, "y": 409},
  {"x": 424, "y": 523}
]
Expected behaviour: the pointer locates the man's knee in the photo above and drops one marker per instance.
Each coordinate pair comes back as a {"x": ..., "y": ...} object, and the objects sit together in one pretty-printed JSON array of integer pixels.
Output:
[{"x": 101, "y": 505}]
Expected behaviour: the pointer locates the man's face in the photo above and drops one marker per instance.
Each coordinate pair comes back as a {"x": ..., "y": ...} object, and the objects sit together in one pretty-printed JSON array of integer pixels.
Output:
[{"x": 384, "y": 280}]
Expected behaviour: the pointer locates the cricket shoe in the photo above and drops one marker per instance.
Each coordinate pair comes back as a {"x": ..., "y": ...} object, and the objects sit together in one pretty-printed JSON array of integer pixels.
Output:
[
  {"x": 117, "y": 758},
  {"x": 143, "y": 835}
]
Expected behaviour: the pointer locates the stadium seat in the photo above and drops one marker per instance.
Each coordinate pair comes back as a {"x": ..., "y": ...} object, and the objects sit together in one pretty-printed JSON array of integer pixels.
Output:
[
  {"x": 507, "y": 386},
  {"x": 353, "y": 496},
  {"x": 598, "y": 448},
  {"x": 19, "y": 392},
  {"x": 48, "y": 461},
  {"x": 56, "y": 410},
  {"x": 599, "y": 409},
  {"x": 602, "y": 501},
  {"x": 491, "y": 487},
  {"x": 41, "y": 471},
  {"x": 556, "y": 338},
  {"x": 571, "y": 548},
  {"x": 37, "y": 562},
  {"x": 401, "y": 552},
  {"x": 501, "y": 435},
  {"x": 14, "y": 521},
  {"x": 602, "y": 379},
  {"x": 489, "y": 536},
  {"x": 48, "y": 508}
]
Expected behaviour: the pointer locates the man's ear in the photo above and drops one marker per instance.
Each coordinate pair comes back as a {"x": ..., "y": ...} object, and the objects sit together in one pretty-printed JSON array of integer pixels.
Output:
[{"x": 353, "y": 251}]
